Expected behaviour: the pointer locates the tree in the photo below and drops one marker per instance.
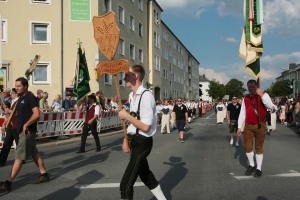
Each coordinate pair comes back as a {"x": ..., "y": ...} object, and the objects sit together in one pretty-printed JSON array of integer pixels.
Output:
[
  {"x": 270, "y": 91},
  {"x": 235, "y": 87},
  {"x": 280, "y": 88},
  {"x": 216, "y": 90}
]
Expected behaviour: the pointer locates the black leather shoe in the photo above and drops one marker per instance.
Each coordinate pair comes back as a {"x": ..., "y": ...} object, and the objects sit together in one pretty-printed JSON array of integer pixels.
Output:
[
  {"x": 257, "y": 173},
  {"x": 81, "y": 151},
  {"x": 250, "y": 170},
  {"x": 98, "y": 150}
]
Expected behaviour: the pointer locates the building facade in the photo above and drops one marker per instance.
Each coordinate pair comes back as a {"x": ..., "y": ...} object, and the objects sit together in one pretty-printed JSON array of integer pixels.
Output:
[
  {"x": 52, "y": 29},
  {"x": 204, "y": 86}
]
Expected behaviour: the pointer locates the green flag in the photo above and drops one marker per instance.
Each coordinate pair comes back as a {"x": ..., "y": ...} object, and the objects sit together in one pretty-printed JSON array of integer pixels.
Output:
[
  {"x": 251, "y": 47},
  {"x": 82, "y": 78}
]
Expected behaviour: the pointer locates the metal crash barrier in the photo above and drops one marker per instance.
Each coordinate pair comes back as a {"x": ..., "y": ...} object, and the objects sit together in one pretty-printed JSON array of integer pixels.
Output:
[{"x": 52, "y": 124}]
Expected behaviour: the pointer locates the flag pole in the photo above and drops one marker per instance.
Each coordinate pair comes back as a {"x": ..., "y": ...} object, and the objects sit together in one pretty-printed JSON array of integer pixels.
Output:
[
  {"x": 258, "y": 101},
  {"x": 121, "y": 107}
]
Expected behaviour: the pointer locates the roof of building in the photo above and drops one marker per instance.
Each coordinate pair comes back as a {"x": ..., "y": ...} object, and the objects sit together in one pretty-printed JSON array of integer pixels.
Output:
[{"x": 203, "y": 78}]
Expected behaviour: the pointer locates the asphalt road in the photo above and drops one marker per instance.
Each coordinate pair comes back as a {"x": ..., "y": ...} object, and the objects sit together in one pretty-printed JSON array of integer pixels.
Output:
[{"x": 206, "y": 166}]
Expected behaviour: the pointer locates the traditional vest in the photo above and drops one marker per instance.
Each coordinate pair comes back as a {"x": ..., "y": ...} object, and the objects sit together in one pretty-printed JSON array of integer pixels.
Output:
[
  {"x": 90, "y": 113},
  {"x": 200, "y": 104},
  {"x": 251, "y": 116}
]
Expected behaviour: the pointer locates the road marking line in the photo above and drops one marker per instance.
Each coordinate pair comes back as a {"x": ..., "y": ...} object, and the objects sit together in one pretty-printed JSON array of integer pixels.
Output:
[
  {"x": 210, "y": 115},
  {"x": 286, "y": 175},
  {"x": 103, "y": 185}
]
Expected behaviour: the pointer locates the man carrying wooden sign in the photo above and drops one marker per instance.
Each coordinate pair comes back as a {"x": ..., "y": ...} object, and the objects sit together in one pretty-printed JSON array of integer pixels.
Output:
[
  {"x": 142, "y": 109},
  {"x": 142, "y": 117}
]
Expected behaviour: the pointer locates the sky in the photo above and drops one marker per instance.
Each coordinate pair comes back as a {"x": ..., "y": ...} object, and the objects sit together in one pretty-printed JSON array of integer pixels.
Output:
[{"x": 211, "y": 30}]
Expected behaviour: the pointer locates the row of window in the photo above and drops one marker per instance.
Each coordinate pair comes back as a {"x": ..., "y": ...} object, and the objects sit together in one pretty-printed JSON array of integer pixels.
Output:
[
  {"x": 40, "y": 32},
  {"x": 121, "y": 18},
  {"x": 121, "y": 51}
]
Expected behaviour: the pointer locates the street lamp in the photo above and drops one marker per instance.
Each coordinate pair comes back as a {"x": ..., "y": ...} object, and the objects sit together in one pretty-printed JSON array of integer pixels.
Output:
[{"x": 293, "y": 70}]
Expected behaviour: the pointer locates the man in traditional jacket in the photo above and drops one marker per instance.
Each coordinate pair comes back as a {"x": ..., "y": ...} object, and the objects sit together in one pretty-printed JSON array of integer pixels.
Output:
[{"x": 255, "y": 125}]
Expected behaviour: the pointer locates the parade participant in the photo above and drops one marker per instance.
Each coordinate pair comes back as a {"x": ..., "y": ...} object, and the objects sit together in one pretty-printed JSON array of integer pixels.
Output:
[
  {"x": 233, "y": 112},
  {"x": 220, "y": 109},
  {"x": 200, "y": 104},
  {"x": 254, "y": 129},
  {"x": 173, "y": 124},
  {"x": 90, "y": 124},
  {"x": 166, "y": 110},
  {"x": 282, "y": 112},
  {"x": 180, "y": 117},
  {"x": 27, "y": 116},
  {"x": 11, "y": 132},
  {"x": 158, "y": 114},
  {"x": 189, "y": 107},
  {"x": 194, "y": 105},
  {"x": 142, "y": 127},
  {"x": 273, "y": 119}
]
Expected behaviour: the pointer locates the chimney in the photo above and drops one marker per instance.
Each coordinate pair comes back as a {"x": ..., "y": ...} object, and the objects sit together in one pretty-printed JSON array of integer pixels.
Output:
[{"x": 292, "y": 66}]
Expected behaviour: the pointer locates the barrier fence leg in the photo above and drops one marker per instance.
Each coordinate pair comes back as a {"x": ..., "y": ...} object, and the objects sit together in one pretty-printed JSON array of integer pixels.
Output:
[{"x": 61, "y": 136}]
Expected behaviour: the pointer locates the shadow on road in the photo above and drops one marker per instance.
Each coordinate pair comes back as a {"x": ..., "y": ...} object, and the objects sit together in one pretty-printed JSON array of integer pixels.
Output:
[
  {"x": 174, "y": 175},
  {"x": 70, "y": 192}
]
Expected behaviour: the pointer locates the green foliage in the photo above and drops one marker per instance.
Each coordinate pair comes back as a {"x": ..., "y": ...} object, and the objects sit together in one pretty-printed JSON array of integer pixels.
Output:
[
  {"x": 235, "y": 87},
  {"x": 281, "y": 88},
  {"x": 216, "y": 90},
  {"x": 270, "y": 91}
]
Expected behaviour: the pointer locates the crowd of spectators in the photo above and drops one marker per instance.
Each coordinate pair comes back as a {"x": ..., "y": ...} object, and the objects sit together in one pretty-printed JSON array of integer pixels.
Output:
[{"x": 57, "y": 104}]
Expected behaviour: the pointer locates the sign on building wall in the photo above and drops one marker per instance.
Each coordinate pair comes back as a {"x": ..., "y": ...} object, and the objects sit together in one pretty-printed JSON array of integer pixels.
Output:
[
  {"x": 3, "y": 79},
  {"x": 80, "y": 10}
]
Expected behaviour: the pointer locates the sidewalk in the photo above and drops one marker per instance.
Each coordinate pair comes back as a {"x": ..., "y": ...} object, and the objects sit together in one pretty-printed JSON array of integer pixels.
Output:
[{"x": 50, "y": 142}]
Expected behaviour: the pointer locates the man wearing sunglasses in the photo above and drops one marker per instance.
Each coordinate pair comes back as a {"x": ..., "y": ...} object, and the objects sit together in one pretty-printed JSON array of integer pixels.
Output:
[
  {"x": 233, "y": 112},
  {"x": 180, "y": 117},
  {"x": 142, "y": 118}
]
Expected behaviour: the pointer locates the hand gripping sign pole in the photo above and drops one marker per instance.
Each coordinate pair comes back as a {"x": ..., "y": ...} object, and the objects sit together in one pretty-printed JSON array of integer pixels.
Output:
[{"x": 107, "y": 36}]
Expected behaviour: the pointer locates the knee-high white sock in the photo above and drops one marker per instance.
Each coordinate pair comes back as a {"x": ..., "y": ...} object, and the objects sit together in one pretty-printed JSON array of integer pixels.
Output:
[
  {"x": 250, "y": 157},
  {"x": 189, "y": 119},
  {"x": 259, "y": 160},
  {"x": 157, "y": 192}
]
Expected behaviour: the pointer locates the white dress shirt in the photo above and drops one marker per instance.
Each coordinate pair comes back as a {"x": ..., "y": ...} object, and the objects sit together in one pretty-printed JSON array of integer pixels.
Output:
[
  {"x": 97, "y": 109},
  {"x": 147, "y": 111}
]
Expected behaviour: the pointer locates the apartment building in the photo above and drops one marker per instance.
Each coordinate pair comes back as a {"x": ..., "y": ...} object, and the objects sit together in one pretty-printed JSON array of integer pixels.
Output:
[{"x": 52, "y": 28}]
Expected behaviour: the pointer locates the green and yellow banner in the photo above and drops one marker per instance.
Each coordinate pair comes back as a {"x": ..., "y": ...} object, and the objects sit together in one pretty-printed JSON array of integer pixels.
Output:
[
  {"x": 82, "y": 77},
  {"x": 251, "y": 46}
]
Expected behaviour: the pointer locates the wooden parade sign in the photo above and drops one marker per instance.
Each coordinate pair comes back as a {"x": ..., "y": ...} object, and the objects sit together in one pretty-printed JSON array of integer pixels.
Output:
[
  {"x": 113, "y": 67},
  {"x": 107, "y": 34}
]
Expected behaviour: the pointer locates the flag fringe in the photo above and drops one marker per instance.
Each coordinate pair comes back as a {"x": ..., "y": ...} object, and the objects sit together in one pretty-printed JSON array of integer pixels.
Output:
[{"x": 256, "y": 76}]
